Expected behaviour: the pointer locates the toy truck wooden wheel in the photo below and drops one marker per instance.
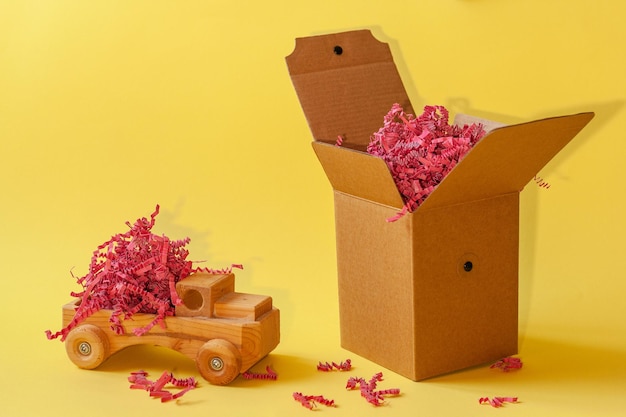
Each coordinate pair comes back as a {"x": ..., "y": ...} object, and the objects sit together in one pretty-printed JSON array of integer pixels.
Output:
[
  {"x": 87, "y": 346},
  {"x": 219, "y": 361}
]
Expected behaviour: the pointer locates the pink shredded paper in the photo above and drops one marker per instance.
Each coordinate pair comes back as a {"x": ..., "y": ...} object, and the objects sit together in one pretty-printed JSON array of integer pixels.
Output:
[
  {"x": 369, "y": 391},
  {"x": 133, "y": 272},
  {"x": 268, "y": 374},
  {"x": 327, "y": 367},
  {"x": 421, "y": 151},
  {"x": 139, "y": 380},
  {"x": 497, "y": 401},
  {"x": 309, "y": 401},
  {"x": 508, "y": 364},
  {"x": 540, "y": 182}
]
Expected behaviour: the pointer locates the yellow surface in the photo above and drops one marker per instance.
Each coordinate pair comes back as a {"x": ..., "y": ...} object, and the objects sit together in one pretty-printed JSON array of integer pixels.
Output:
[{"x": 110, "y": 107}]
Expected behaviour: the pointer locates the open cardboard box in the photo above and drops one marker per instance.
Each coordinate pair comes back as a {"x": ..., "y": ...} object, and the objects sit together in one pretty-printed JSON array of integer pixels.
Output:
[{"x": 437, "y": 290}]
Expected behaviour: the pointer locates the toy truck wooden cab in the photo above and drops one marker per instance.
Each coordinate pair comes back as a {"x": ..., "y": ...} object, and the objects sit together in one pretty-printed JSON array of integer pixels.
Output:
[{"x": 223, "y": 331}]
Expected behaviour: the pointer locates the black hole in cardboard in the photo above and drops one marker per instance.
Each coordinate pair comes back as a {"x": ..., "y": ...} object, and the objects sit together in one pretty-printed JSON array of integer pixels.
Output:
[
  {"x": 338, "y": 50},
  {"x": 467, "y": 266}
]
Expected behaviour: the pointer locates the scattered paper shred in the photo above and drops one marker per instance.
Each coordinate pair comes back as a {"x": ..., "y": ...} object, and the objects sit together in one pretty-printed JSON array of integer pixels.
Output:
[
  {"x": 327, "y": 367},
  {"x": 368, "y": 389},
  {"x": 421, "y": 151},
  {"x": 497, "y": 401},
  {"x": 139, "y": 380},
  {"x": 310, "y": 401},
  {"x": 508, "y": 364},
  {"x": 540, "y": 182},
  {"x": 269, "y": 374},
  {"x": 133, "y": 272}
]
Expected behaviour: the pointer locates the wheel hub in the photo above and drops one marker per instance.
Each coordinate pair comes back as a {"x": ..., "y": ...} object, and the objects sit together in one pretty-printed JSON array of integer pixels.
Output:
[
  {"x": 216, "y": 364},
  {"x": 84, "y": 348}
]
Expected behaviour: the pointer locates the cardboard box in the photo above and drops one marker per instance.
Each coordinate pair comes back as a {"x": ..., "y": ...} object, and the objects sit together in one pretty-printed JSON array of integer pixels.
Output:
[{"x": 437, "y": 290}]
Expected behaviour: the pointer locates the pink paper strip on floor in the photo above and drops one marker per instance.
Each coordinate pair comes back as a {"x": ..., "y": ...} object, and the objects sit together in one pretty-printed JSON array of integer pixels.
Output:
[
  {"x": 269, "y": 374},
  {"x": 156, "y": 389},
  {"x": 508, "y": 364},
  {"x": 327, "y": 367},
  {"x": 368, "y": 389},
  {"x": 309, "y": 401},
  {"x": 497, "y": 401}
]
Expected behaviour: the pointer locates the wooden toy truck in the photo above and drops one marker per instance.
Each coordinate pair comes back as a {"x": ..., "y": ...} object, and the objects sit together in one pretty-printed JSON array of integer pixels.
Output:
[{"x": 223, "y": 331}]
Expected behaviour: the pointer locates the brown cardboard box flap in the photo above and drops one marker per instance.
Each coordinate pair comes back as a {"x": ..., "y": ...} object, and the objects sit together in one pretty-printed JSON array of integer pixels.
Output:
[
  {"x": 503, "y": 162},
  {"x": 359, "y": 174},
  {"x": 346, "y": 84},
  {"x": 440, "y": 284},
  {"x": 506, "y": 159}
]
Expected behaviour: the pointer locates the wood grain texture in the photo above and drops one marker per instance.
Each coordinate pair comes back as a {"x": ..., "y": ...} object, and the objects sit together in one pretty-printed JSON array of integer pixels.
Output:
[{"x": 247, "y": 324}]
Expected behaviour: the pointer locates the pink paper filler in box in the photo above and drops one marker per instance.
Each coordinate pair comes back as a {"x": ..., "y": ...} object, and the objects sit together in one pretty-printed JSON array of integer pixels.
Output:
[{"x": 436, "y": 289}]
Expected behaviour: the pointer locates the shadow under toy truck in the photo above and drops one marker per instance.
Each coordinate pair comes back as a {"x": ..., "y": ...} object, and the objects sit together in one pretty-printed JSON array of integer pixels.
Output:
[{"x": 223, "y": 331}]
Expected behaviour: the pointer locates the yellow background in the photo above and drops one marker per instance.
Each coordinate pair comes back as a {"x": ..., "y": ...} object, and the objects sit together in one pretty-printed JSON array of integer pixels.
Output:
[{"x": 110, "y": 107}]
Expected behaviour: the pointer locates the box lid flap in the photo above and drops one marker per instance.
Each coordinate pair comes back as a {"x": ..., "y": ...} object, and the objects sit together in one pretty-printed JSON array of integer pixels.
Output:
[
  {"x": 506, "y": 159},
  {"x": 357, "y": 173},
  {"x": 346, "y": 83}
]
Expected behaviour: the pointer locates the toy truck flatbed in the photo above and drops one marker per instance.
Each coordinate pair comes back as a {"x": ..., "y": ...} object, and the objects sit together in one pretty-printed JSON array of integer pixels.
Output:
[{"x": 223, "y": 331}]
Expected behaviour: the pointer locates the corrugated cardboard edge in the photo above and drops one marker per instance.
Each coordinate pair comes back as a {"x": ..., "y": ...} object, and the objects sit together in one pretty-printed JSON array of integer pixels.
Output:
[
  {"x": 506, "y": 159},
  {"x": 348, "y": 93},
  {"x": 398, "y": 282},
  {"x": 503, "y": 162},
  {"x": 467, "y": 119},
  {"x": 358, "y": 173}
]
